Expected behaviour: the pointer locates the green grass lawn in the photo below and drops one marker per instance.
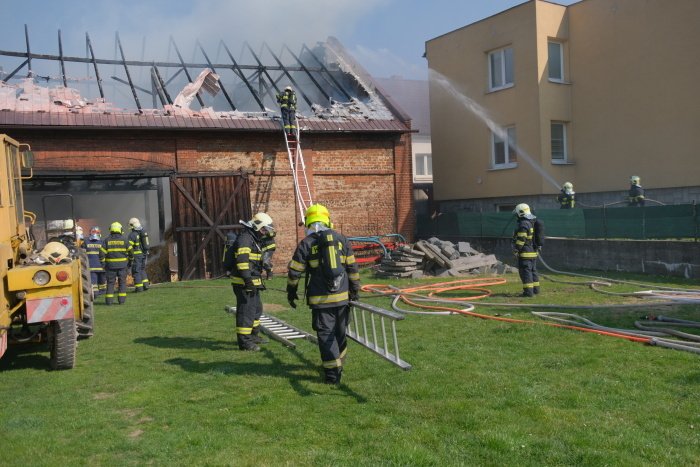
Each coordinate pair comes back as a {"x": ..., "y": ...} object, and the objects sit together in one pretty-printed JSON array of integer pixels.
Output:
[{"x": 162, "y": 383}]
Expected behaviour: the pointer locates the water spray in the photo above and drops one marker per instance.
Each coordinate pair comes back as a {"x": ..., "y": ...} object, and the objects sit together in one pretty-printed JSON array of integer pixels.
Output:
[{"x": 484, "y": 116}]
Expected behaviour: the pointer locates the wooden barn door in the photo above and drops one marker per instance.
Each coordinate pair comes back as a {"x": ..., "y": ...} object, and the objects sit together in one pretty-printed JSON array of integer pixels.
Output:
[{"x": 205, "y": 207}]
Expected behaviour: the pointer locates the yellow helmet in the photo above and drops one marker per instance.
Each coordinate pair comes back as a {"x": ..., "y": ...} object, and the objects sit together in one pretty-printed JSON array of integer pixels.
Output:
[
  {"x": 55, "y": 252},
  {"x": 116, "y": 227},
  {"x": 522, "y": 210},
  {"x": 317, "y": 213}
]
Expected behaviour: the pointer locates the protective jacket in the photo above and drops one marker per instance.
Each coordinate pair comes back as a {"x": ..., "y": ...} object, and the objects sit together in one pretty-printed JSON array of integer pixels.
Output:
[
  {"x": 247, "y": 264},
  {"x": 138, "y": 240},
  {"x": 115, "y": 252},
  {"x": 566, "y": 200},
  {"x": 306, "y": 259},
  {"x": 636, "y": 195},
  {"x": 92, "y": 247},
  {"x": 523, "y": 239},
  {"x": 287, "y": 100}
]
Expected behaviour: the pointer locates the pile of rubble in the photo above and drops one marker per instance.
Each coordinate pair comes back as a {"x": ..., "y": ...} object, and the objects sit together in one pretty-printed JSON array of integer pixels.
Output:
[{"x": 435, "y": 257}]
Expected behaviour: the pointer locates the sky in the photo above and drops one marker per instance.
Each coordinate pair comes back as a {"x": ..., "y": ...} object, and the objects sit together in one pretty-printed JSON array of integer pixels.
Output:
[{"x": 387, "y": 37}]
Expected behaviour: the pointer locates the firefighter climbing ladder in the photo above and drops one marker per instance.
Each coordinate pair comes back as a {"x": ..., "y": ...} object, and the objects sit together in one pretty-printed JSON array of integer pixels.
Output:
[
  {"x": 368, "y": 328},
  {"x": 296, "y": 162}
]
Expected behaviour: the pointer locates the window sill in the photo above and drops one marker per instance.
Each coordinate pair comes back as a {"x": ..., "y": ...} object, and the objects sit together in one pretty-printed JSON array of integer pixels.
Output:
[
  {"x": 508, "y": 86},
  {"x": 559, "y": 81},
  {"x": 504, "y": 167},
  {"x": 562, "y": 163}
]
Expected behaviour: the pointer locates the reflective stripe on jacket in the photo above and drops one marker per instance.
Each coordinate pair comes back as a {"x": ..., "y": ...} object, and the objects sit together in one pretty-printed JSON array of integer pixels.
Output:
[
  {"x": 115, "y": 251},
  {"x": 247, "y": 255},
  {"x": 523, "y": 239}
]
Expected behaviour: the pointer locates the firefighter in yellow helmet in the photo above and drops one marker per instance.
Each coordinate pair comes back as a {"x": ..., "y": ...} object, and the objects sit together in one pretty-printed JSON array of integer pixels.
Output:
[
  {"x": 287, "y": 100},
  {"x": 246, "y": 279},
  {"x": 333, "y": 280},
  {"x": 115, "y": 256},
  {"x": 526, "y": 243},
  {"x": 635, "y": 196}
]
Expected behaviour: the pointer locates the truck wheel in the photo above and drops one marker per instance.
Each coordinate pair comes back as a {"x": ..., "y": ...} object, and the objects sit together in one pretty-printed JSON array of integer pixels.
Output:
[
  {"x": 86, "y": 326},
  {"x": 62, "y": 344}
]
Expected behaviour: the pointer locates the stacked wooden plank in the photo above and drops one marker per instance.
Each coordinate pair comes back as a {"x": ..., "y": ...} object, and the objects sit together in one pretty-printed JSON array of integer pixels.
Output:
[{"x": 435, "y": 257}]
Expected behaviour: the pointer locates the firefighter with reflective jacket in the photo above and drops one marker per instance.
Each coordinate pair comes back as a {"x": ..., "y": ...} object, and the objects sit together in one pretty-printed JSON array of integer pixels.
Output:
[
  {"x": 97, "y": 272},
  {"x": 567, "y": 196},
  {"x": 333, "y": 281},
  {"x": 525, "y": 248},
  {"x": 246, "y": 279},
  {"x": 287, "y": 100},
  {"x": 115, "y": 255},
  {"x": 138, "y": 240},
  {"x": 635, "y": 196}
]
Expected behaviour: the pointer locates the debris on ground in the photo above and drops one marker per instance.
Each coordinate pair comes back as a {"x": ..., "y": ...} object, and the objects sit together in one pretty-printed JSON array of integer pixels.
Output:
[{"x": 439, "y": 258}]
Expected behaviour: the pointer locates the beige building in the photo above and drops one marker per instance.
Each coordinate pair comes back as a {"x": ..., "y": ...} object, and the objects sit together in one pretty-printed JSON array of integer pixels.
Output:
[{"x": 590, "y": 93}]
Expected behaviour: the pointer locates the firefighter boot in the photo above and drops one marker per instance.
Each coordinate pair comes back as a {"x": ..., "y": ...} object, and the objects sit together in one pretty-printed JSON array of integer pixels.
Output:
[
  {"x": 247, "y": 344},
  {"x": 332, "y": 375},
  {"x": 528, "y": 292},
  {"x": 258, "y": 339},
  {"x": 536, "y": 290}
]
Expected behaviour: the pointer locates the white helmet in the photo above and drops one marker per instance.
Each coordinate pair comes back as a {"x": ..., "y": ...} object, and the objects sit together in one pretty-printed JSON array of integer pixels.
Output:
[
  {"x": 55, "y": 253},
  {"x": 68, "y": 224},
  {"x": 262, "y": 221},
  {"x": 288, "y": 88},
  {"x": 134, "y": 223},
  {"x": 522, "y": 210},
  {"x": 634, "y": 179},
  {"x": 568, "y": 186}
]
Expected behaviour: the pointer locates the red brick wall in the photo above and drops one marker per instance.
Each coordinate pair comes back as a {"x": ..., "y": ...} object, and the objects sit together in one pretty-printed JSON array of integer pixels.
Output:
[{"x": 364, "y": 179}]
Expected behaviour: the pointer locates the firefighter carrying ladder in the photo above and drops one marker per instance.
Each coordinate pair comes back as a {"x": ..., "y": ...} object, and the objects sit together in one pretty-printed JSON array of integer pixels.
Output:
[
  {"x": 296, "y": 163},
  {"x": 372, "y": 327}
]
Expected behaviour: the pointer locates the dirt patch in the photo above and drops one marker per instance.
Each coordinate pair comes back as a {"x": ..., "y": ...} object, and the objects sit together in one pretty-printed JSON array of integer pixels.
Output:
[
  {"x": 135, "y": 433},
  {"x": 102, "y": 396},
  {"x": 273, "y": 307}
]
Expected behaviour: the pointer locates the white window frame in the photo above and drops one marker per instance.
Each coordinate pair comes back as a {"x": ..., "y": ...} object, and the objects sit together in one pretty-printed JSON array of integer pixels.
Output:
[
  {"x": 561, "y": 79},
  {"x": 510, "y": 154},
  {"x": 502, "y": 67},
  {"x": 427, "y": 166},
  {"x": 564, "y": 143}
]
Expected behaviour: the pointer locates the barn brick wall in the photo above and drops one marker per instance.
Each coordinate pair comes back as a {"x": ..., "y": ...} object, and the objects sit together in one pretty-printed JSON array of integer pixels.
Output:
[{"x": 364, "y": 179}]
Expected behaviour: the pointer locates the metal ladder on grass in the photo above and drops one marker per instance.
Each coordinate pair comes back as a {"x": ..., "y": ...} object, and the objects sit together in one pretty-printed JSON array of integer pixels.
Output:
[
  {"x": 368, "y": 328},
  {"x": 278, "y": 330},
  {"x": 296, "y": 163}
]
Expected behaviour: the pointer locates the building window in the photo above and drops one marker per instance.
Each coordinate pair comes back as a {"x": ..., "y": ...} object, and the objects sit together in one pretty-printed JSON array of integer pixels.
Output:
[
  {"x": 556, "y": 61},
  {"x": 424, "y": 165},
  {"x": 503, "y": 151},
  {"x": 501, "y": 69},
  {"x": 558, "y": 138}
]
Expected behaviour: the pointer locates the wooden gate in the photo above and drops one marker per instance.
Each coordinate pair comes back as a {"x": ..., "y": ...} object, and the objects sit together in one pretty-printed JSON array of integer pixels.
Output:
[{"x": 206, "y": 207}]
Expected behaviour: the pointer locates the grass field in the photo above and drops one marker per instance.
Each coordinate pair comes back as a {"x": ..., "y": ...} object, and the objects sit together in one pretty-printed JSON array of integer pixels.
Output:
[{"x": 162, "y": 383}]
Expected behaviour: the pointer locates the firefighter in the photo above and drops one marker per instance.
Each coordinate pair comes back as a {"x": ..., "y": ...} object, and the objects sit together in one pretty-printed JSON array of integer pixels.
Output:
[
  {"x": 97, "y": 272},
  {"x": 525, "y": 249},
  {"x": 138, "y": 240},
  {"x": 246, "y": 279},
  {"x": 115, "y": 255},
  {"x": 567, "y": 196},
  {"x": 287, "y": 100},
  {"x": 636, "y": 192},
  {"x": 328, "y": 297}
]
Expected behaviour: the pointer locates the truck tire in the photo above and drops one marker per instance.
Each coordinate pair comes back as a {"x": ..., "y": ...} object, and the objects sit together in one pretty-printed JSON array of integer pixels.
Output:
[
  {"x": 86, "y": 326},
  {"x": 62, "y": 344}
]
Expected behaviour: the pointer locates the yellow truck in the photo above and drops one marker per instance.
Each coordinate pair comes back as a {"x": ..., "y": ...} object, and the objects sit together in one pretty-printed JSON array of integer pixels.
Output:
[{"x": 45, "y": 295}]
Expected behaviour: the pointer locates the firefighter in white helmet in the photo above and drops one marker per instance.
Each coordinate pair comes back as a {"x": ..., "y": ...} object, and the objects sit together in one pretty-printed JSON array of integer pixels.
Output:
[
  {"x": 635, "y": 196},
  {"x": 567, "y": 196},
  {"x": 527, "y": 241},
  {"x": 138, "y": 240},
  {"x": 246, "y": 279}
]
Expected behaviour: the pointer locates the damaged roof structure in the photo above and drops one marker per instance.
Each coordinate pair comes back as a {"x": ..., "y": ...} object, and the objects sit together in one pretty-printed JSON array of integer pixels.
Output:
[
  {"x": 334, "y": 93},
  {"x": 194, "y": 146}
]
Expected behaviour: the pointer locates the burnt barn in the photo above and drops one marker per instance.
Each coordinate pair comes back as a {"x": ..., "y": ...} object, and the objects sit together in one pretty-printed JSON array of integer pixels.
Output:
[{"x": 197, "y": 146}]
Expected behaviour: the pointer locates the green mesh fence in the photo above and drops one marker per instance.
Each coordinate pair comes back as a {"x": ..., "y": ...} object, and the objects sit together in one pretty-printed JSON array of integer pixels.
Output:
[{"x": 650, "y": 222}]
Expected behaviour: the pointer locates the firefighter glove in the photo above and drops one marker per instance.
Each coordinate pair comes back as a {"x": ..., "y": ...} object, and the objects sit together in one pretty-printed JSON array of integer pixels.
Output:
[
  {"x": 292, "y": 295},
  {"x": 268, "y": 273},
  {"x": 354, "y": 296}
]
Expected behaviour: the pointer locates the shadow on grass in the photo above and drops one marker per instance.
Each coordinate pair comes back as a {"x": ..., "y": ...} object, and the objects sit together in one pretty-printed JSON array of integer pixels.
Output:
[
  {"x": 167, "y": 342},
  {"x": 275, "y": 367},
  {"x": 22, "y": 358}
]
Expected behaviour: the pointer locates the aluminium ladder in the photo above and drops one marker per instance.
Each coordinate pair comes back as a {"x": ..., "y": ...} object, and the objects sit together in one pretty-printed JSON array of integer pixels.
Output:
[{"x": 296, "y": 163}]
